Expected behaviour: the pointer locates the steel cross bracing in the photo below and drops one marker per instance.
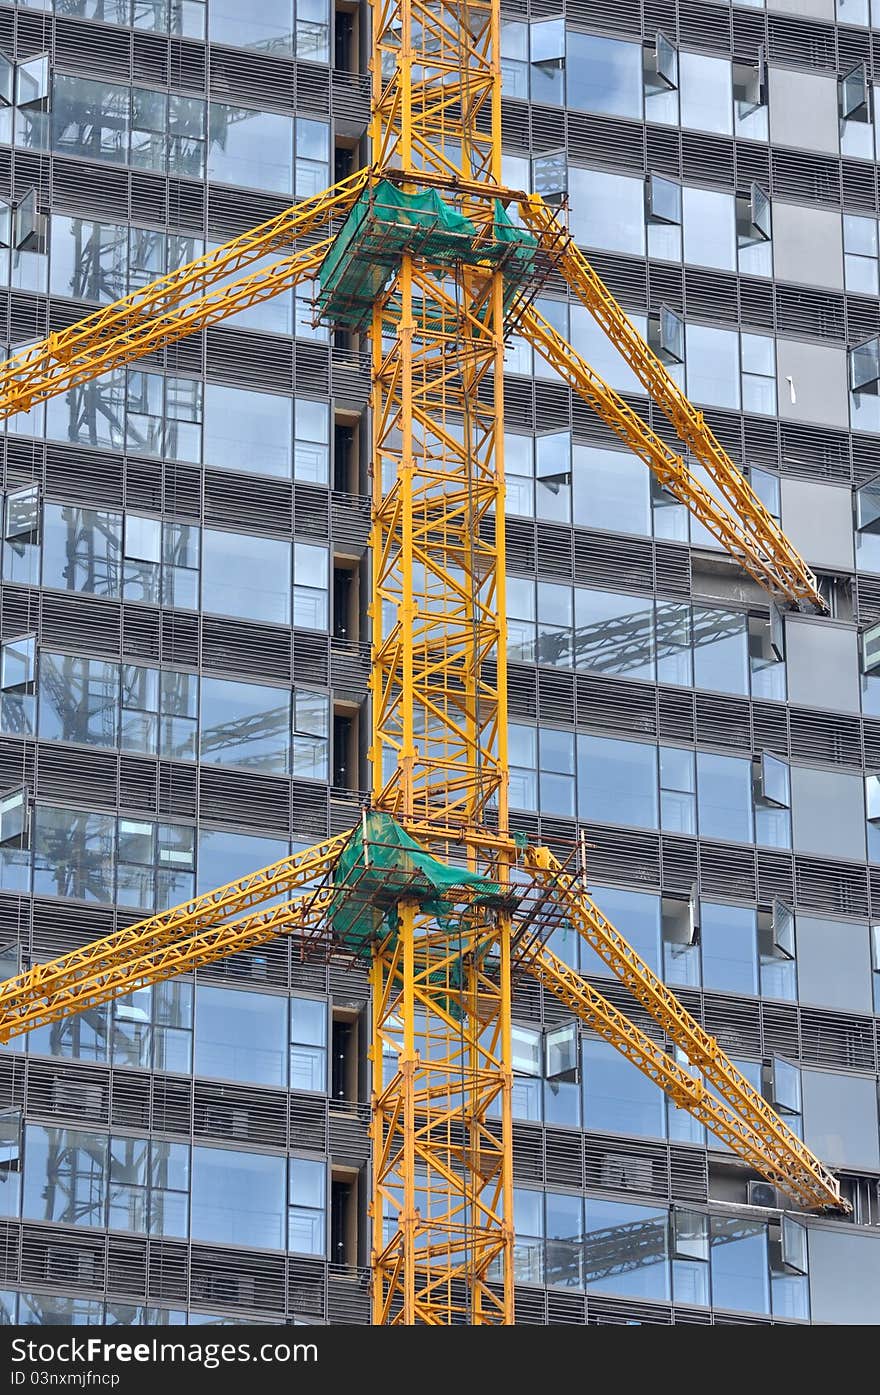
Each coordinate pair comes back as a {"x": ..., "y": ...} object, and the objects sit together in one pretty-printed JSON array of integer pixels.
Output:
[{"x": 441, "y": 1122}]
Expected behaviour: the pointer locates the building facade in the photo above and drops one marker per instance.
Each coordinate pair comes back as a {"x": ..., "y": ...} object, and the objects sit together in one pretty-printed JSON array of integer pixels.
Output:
[{"x": 184, "y": 657}]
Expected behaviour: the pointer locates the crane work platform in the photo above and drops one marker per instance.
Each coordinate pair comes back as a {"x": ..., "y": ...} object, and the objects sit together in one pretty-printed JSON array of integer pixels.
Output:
[{"x": 388, "y": 223}]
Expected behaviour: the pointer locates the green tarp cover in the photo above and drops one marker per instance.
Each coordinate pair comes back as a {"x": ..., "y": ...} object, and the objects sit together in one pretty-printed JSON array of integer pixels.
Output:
[
  {"x": 386, "y": 222},
  {"x": 382, "y": 865}
]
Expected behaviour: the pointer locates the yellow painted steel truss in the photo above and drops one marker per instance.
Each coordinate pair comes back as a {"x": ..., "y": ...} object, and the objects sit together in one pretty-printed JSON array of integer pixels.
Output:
[{"x": 441, "y": 985}]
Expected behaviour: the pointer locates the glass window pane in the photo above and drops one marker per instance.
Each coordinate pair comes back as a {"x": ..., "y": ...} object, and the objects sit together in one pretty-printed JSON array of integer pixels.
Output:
[
  {"x": 636, "y": 914},
  {"x": 709, "y": 228},
  {"x": 617, "y": 781},
  {"x": 618, "y": 1098},
  {"x": 82, "y": 549},
  {"x": 65, "y": 1176},
  {"x": 79, "y": 700},
  {"x": 74, "y": 853},
  {"x": 740, "y": 1270},
  {"x": 724, "y": 789},
  {"x": 245, "y": 724},
  {"x": 721, "y": 660},
  {"x": 611, "y": 490},
  {"x": 89, "y": 259},
  {"x": 706, "y": 93},
  {"x": 728, "y": 938},
  {"x": 241, "y": 1035},
  {"x": 238, "y": 1198},
  {"x": 246, "y": 576},
  {"x": 90, "y": 118},
  {"x": 713, "y": 366},
  {"x": 603, "y": 75},
  {"x": 223, "y": 857},
  {"x": 607, "y": 210},
  {"x": 248, "y": 431},
  {"x": 614, "y": 633},
  {"x": 267, "y": 28},
  {"x": 626, "y": 1249},
  {"x": 250, "y": 149}
]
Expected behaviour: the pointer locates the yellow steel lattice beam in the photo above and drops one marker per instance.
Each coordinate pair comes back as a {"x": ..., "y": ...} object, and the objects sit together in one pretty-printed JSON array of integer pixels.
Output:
[
  {"x": 176, "y": 305},
  {"x": 794, "y": 577},
  {"x": 732, "y": 530},
  {"x": 782, "y": 1150},
  {"x": 57, "y": 983},
  {"x": 116, "y": 976},
  {"x": 685, "y": 1090}
]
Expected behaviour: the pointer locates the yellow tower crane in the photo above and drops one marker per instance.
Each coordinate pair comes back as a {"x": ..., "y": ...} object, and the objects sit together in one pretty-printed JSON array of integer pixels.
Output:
[{"x": 438, "y": 263}]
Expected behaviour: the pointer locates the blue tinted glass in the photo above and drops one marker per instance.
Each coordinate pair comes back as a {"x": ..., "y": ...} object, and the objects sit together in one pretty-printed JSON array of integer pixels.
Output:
[
  {"x": 709, "y": 221},
  {"x": 617, "y": 781},
  {"x": 246, "y": 576},
  {"x": 618, "y": 1098},
  {"x": 740, "y": 1276},
  {"x": 79, "y": 700},
  {"x": 82, "y": 549},
  {"x": 89, "y": 259},
  {"x": 90, "y": 118},
  {"x": 607, "y": 210},
  {"x": 593, "y": 344},
  {"x": 626, "y": 1249},
  {"x": 74, "y": 853},
  {"x": 249, "y": 431},
  {"x": 241, "y": 1035},
  {"x": 706, "y": 93},
  {"x": 724, "y": 797},
  {"x": 65, "y": 1176},
  {"x": 728, "y": 939},
  {"x": 603, "y": 75},
  {"x": 224, "y": 856},
  {"x": 238, "y": 1198},
  {"x": 614, "y": 633},
  {"x": 611, "y": 490},
  {"x": 721, "y": 657},
  {"x": 267, "y": 27},
  {"x": 245, "y": 724},
  {"x": 636, "y": 914},
  {"x": 253, "y": 149},
  {"x": 713, "y": 366}
]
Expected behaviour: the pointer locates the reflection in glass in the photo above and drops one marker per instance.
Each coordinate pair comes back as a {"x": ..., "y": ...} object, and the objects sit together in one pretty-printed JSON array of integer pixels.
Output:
[
  {"x": 245, "y": 724},
  {"x": 626, "y": 1249}
]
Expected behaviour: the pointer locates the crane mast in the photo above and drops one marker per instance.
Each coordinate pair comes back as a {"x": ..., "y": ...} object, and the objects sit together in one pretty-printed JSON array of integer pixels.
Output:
[{"x": 442, "y": 1176}]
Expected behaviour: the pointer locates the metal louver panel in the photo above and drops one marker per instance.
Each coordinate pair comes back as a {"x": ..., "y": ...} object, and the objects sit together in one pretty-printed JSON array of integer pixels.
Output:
[
  {"x": 188, "y": 65},
  {"x": 76, "y": 44},
  {"x": 66, "y": 774},
  {"x": 615, "y": 705},
  {"x": 828, "y": 886},
  {"x": 623, "y": 856}
]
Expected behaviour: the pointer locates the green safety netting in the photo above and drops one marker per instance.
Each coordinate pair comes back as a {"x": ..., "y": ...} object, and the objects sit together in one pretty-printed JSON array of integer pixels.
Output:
[
  {"x": 382, "y": 865},
  {"x": 385, "y": 223}
]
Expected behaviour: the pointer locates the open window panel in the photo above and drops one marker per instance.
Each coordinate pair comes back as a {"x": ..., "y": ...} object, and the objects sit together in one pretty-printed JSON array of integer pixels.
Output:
[
  {"x": 771, "y": 780},
  {"x": 550, "y": 176},
  {"x": 666, "y": 336},
  {"x": 854, "y": 92},
  {"x": 864, "y": 366},
  {"x": 562, "y": 1053},
  {"x": 750, "y": 80},
  {"x": 782, "y": 1085},
  {"x": 660, "y": 64}
]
